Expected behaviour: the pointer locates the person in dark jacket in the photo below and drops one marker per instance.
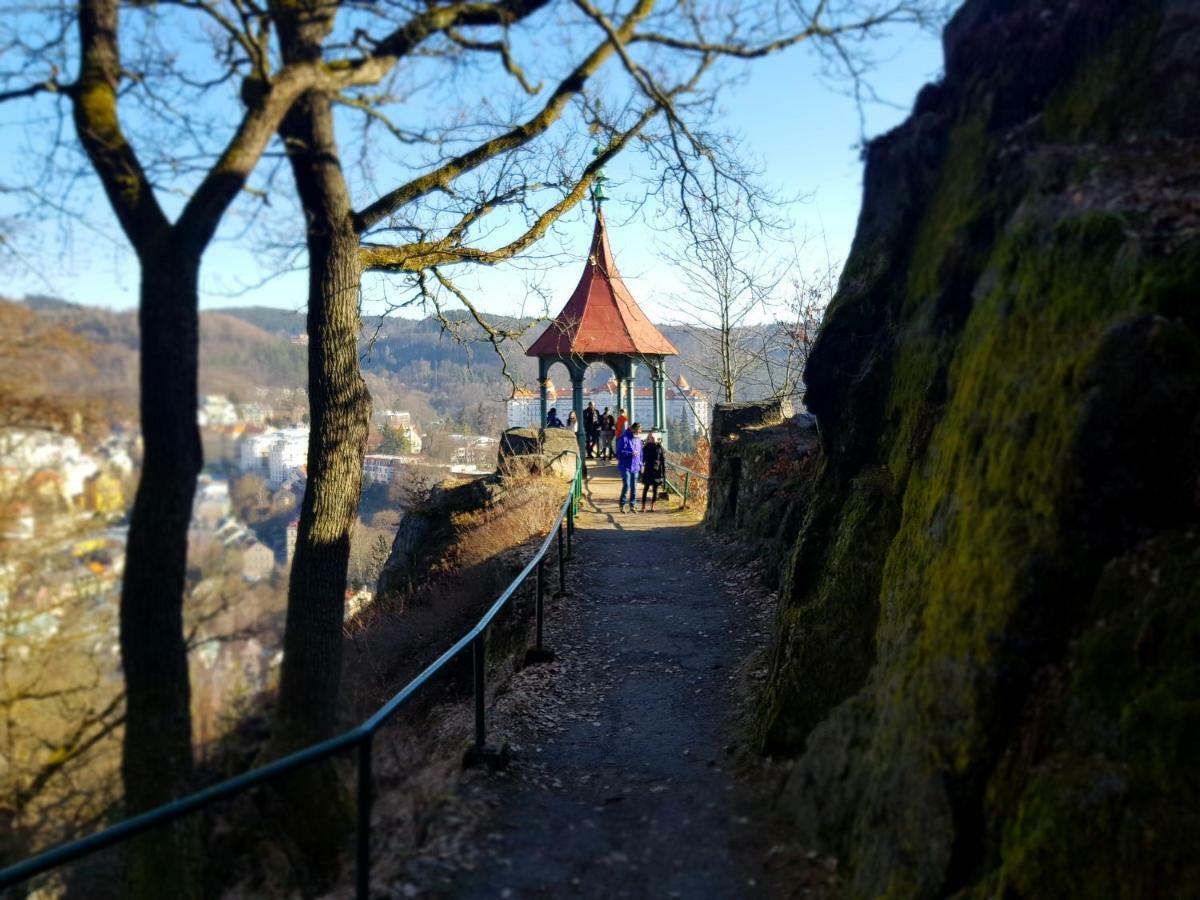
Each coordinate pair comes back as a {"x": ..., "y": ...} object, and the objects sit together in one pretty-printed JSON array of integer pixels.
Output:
[
  {"x": 654, "y": 468},
  {"x": 591, "y": 429},
  {"x": 608, "y": 431},
  {"x": 552, "y": 419}
]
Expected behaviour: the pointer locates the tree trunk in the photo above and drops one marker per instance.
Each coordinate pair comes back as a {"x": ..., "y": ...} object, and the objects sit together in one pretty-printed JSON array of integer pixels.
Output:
[
  {"x": 157, "y": 762},
  {"x": 340, "y": 413}
]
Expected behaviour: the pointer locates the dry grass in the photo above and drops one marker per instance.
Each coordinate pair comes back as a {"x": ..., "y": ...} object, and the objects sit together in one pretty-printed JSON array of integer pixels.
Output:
[{"x": 529, "y": 509}]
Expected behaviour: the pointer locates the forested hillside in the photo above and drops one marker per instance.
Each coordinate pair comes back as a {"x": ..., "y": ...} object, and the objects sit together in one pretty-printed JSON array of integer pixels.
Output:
[{"x": 414, "y": 364}]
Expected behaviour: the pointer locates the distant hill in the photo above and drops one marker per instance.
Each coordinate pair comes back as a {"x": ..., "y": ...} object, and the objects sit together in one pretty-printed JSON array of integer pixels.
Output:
[
  {"x": 53, "y": 375},
  {"x": 409, "y": 363}
]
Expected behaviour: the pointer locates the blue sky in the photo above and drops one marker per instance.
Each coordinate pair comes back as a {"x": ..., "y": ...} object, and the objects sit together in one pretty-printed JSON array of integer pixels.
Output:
[{"x": 804, "y": 131}]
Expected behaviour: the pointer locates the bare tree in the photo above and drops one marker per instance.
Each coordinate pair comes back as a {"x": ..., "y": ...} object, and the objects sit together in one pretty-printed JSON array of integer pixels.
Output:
[
  {"x": 727, "y": 294},
  {"x": 786, "y": 346}
]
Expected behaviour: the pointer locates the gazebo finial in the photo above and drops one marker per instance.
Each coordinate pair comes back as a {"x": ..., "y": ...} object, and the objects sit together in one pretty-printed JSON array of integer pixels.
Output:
[{"x": 598, "y": 195}]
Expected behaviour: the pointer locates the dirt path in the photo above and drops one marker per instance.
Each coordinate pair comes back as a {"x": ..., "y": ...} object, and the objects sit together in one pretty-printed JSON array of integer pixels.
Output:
[{"x": 620, "y": 786}]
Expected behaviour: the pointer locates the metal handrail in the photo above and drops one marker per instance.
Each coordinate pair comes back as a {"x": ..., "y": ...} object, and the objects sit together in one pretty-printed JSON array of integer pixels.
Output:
[
  {"x": 687, "y": 480},
  {"x": 675, "y": 465},
  {"x": 360, "y": 736}
]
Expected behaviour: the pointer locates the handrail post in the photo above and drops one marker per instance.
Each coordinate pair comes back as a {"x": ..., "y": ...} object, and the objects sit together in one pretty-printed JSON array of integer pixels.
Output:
[
  {"x": 562, "y": 562},
  {"x": 478, "y": 657},
  {"x": 540, "y": 653},
  {"x": 687, "y": 478},
  {"x": 570, "y": 532},
  {"x": 541, "y": 598},
  {"x": 362, "y": 868},
  {"x": 480, "y": 752}
]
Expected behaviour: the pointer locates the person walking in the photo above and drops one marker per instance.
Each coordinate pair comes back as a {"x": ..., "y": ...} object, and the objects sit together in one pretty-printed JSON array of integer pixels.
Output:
[
  {"x": 622, "y": 421},
  {"x": 608, "y": 431},
  {"x": 572, "y": 422},
  {"x": 629, "y": 464},
  {"x": 591, "y": 429},
  {"x": 654, "y": 468},
  {"x": 552, "y": 419}
]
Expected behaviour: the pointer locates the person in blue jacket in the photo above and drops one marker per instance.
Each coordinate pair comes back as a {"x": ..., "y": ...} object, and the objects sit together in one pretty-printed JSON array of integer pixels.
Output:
[
  {"x": 552, "y": 419},
  {"x": 629, "y": 463}
]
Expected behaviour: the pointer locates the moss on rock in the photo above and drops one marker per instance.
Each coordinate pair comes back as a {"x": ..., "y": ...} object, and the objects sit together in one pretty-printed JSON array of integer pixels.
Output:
[{"x": 985, "y": 653}]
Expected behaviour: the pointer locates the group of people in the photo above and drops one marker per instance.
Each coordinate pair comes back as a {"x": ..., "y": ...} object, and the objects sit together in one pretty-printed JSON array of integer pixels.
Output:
[
  {"x": 636, "y": 458},
  {"x": 601, "y": 429}
]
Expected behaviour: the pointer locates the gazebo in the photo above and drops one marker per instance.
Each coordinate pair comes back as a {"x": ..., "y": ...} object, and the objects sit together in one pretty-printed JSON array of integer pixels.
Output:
[{"x": 603, "y": 323}]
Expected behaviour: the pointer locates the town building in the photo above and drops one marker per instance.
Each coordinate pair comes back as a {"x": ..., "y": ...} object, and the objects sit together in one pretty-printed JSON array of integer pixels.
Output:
[
  {"x": 216, "y": 409},
  {"x": 290, "y": 537},
  {"x": 253, "y": 452},
  {"x": 525, "y": 406},
  {"x": 104, "y": 494},
  {"x": 274, "y": 454},
  {"x": 258, "y": 562},
  {"x": 383, "y": 468},
  {"x": 289, "y": 452},
  {"x": 17, "y": 522}
]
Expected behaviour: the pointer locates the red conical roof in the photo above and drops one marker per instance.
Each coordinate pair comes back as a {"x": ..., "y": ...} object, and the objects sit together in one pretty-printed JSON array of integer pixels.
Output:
[{"x": 601, "y": 316}]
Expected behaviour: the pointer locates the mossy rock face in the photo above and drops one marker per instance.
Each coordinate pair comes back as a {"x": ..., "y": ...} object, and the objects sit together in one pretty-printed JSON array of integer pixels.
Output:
[
  {"x": 760, "y": 478},
  {"x": 986, "y": 651}
]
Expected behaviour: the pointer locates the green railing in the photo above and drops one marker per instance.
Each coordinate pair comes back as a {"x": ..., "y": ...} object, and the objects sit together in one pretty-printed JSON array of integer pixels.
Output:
[
  {"x": 360, "y": 738},
  {"x": 688, "y": 475}
]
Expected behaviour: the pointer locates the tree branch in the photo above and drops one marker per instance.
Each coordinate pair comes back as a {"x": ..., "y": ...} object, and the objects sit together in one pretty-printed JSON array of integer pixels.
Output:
[
  {"x": 427, "y": 254},
  {"x": 515, "y": 137}
]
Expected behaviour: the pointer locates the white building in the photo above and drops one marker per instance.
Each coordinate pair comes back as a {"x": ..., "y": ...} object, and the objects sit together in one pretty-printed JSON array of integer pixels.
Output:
[
  {"x": 414, "y": 440},
  {"x": 381, "y": 468},
  {"x": 291, "y": 535},
  {"x": 288, "y": 453},
  {"x": 254, "y": 452},
  {"x": 396, "y": 418},
  {"x": 525, "y": 406},
  {"x": 27, "y": 452},
  {"x": 275, "y": 454},
  {"x": 216, "y": 409},
  {"x": 257, "y": 561}
]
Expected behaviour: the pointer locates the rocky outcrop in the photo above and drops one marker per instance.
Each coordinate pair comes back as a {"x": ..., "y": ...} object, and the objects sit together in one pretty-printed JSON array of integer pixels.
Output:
[
  {"x": 538, "y": 450},
  {"x": 761, "y": 465},
  {"x": 729, "y": 418},
  {"x": 427, "y": 532},
  {"x": 987, "y": 657}
]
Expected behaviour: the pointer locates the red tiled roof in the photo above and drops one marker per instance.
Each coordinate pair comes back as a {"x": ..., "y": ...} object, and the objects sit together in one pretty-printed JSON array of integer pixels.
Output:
[{"x": 601, "y": 316}]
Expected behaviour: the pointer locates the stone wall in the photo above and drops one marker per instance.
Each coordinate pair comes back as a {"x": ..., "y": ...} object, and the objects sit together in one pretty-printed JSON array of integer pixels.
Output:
[{"x": 761, "y": 466}]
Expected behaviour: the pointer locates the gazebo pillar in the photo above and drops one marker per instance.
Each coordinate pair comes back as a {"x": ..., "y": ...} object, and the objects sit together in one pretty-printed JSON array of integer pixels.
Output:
[
  {"x": 660, "y": 402},
  {"x": 543, "y": 372},
  {"x": 630, "y": 390},
  {"x": 577, "y": 374}
]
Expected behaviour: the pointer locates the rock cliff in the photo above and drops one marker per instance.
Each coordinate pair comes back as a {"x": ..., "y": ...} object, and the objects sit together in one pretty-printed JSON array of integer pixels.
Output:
[
  {"x": 761, "y": 465},
  {"x": 987, "y": 657}
]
